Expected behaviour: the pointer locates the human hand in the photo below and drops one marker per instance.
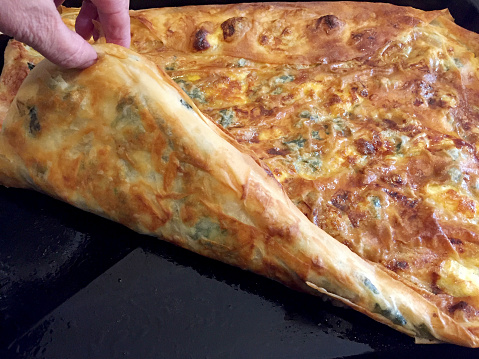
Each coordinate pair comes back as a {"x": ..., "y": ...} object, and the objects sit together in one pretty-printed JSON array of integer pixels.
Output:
[{"x": 38, "y": 24}]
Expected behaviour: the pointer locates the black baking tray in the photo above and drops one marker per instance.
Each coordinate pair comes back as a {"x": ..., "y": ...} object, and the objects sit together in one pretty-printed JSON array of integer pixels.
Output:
[{"x": 74, "y": 285}]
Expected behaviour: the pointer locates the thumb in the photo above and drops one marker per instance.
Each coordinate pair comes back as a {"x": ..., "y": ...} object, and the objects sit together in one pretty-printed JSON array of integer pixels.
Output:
[
  {"x": 64, "y": 47},
  {"x": 38, "y": 24}
]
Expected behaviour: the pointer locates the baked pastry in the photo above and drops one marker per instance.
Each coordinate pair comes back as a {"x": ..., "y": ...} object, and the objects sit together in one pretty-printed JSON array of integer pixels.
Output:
[{"x": 365, "y": 113}]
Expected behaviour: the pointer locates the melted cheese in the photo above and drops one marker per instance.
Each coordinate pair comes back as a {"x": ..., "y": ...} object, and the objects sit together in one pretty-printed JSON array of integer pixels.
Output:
[
  {"x": 379, "y": 140},
  {"x": 458, "y": 279}
]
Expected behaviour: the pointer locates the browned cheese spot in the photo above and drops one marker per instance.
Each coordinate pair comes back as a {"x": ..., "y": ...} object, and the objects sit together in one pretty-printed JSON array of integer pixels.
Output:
[
  {"x": 408, "y": 202},
  {"x": 364, "y": 40},
  {"x": 326, "y": 24},
  {"x": 340, "y": 200},
  {"x": 200, "y": 43},
  {"x": 458, "y": 306},
  {"x": 277, "y": 151},
  {"x": 234, "y": 28},
  {"x": 394, "y": 179},
  {"x": 364, "y": 147}
]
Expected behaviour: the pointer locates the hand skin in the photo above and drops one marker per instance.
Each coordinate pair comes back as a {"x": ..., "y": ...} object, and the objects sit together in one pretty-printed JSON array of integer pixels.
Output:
[{"x": 37, "y": 23}]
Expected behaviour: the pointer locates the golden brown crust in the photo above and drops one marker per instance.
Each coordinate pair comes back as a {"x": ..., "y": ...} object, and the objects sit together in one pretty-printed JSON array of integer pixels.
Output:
[
  {"x": 269, "y": 33},
  {"x": 143, "y": 155},
  {"x": 368, "y": 147},
  {"x": 281, "y": 32}
]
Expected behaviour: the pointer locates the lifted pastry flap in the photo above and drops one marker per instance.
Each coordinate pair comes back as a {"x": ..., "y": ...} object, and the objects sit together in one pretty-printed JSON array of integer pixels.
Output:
[{"x": 122, "y": 140}]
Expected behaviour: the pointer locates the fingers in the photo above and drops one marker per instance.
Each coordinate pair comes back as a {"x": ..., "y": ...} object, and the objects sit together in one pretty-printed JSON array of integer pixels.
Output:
[
  {"x": 66, "y": 48},
  {"x": 84, "y": 25},
  {"x": 38, "y": 24},
  {"x": 115, "y": 20}
]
